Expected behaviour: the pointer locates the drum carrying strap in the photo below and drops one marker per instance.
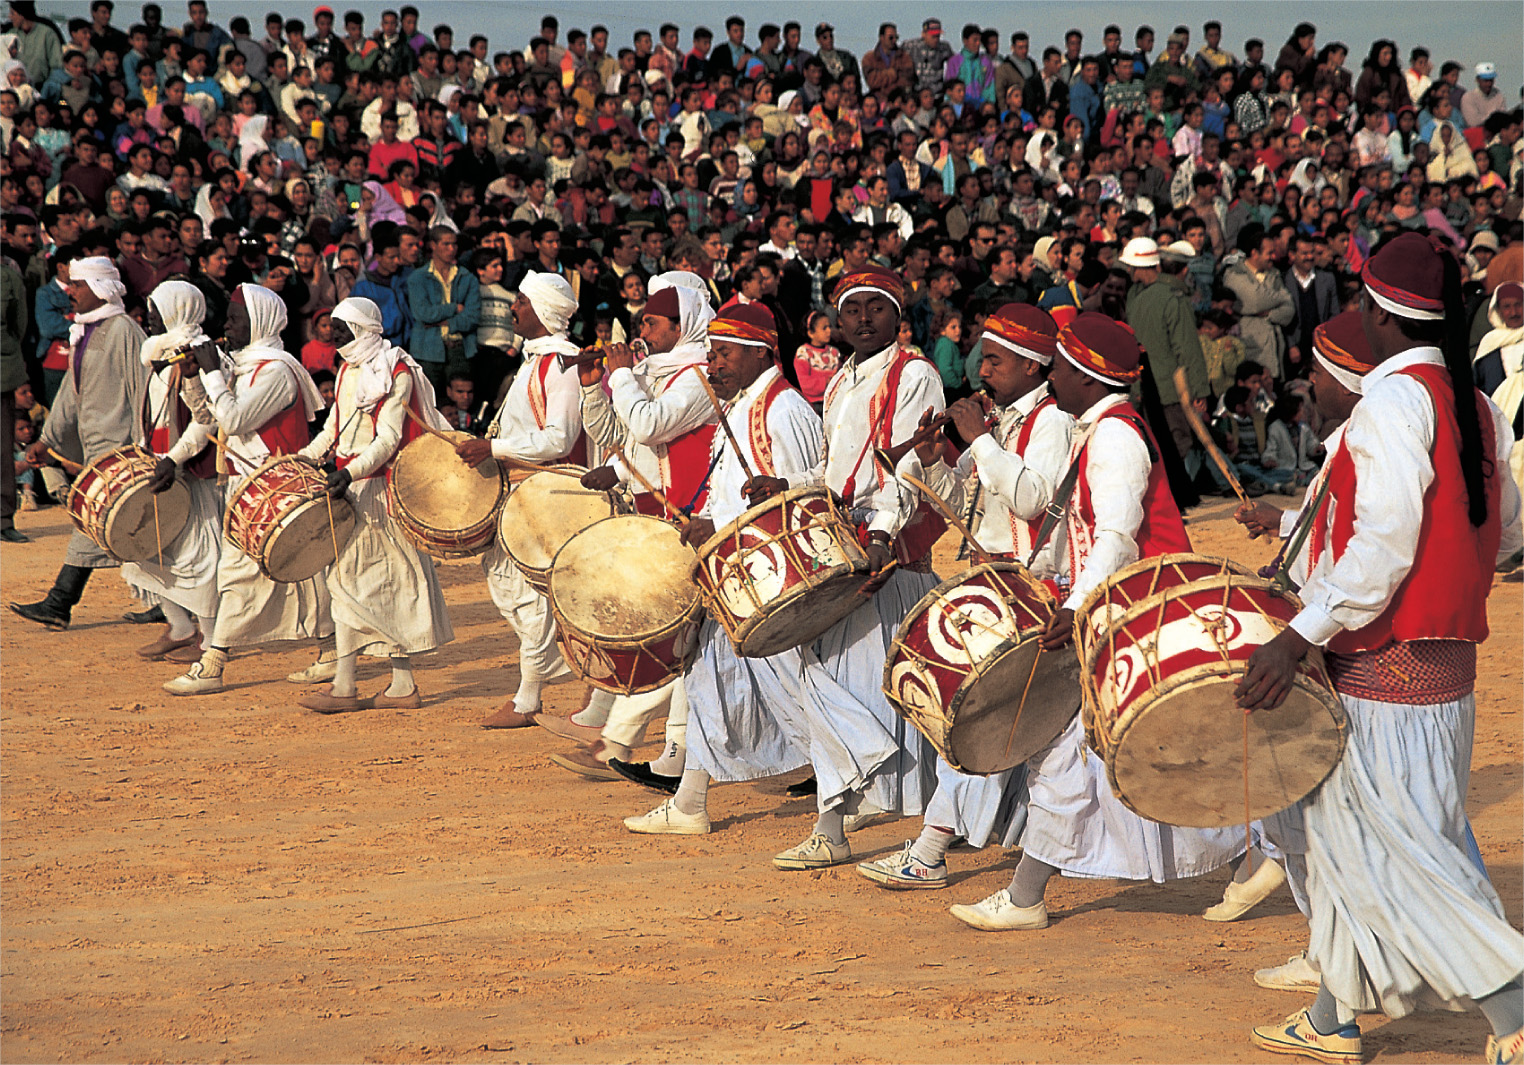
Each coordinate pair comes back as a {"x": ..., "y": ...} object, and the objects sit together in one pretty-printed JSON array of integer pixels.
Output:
[
  {"x": 1060, "y": 505},
  {"x": 1279, "y": 569}
]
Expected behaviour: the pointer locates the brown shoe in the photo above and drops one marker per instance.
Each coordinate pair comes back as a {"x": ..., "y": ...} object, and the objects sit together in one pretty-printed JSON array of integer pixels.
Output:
[
  {"x": 508, "y": 717},
  {"x": 325, "y": 703},
  {"x": 187, "y": 654},
  {"x": 163, "y": 645},
  {"x": 411, "y": 701},
  {"x": 568, "y": 729},
  {"x": 585, "y": 764}
]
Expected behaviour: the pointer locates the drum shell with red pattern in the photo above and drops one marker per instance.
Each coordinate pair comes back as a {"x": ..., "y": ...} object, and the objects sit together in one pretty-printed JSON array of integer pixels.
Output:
[
  {"x": 111, "y": 503},
  {"x": 282, "y": 517}
]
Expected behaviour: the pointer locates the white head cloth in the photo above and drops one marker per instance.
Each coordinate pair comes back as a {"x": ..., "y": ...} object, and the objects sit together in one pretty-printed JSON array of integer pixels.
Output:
[
  {"x": 375, "y": 359},
  {"x": 182, "y": 307},
  {"x": 552, "y": 298},
  {"x": 100, "y": 274},
  {"x": 267, "y": 319}
]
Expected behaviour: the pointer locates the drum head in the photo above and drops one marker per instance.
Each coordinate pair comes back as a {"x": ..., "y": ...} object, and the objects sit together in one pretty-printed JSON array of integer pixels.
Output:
[
  {"x": 1180, "y": 760},
  {"x": 442, "y": 492},
  {"x": 624, "y": 578},
  {"x": 131, "y": 534},
  {"x": 803, "y": 618},
  {"x": 543, "y": 513},
  {"x": 303, "y": 544},
  {"x": 992, "y": 728}
]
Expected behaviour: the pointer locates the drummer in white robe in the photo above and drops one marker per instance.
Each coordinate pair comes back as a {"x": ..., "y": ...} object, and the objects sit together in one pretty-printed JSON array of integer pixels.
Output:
[
  {"x": 658, "y": 416},
  {"x": 1419, "y": 509},
  {"x": 1120, "y": 510},
  {"x": 386, "y": 597},
  {"x": 1018, "y": 452},
  {"x": 262, "y": 412},
  {"x": 737, "y": 730},
  {"x": 540, "y": 421},
  {"x": 863, "y": 753},
  {"x": 184, "y": 583}
]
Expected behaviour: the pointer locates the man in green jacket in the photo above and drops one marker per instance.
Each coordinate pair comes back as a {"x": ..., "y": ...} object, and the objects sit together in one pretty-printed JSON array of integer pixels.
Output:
[
  {"x": 446, "y": 303},
  {"x": 13, "y": 323},
  {"x": 1159, "y": 312}
]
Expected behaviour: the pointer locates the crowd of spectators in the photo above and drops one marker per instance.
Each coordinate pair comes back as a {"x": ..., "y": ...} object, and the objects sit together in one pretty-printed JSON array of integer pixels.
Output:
[{"x": 430, "y": 173}]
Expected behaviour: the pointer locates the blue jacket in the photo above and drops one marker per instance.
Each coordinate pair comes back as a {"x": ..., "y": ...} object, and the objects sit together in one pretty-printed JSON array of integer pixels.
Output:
[
  {"x": 48, "y": 310},
  {"x": 433, "y": 308},
  {"x": 391, "y": 297},
  {"x": 1085, "y": 103}
]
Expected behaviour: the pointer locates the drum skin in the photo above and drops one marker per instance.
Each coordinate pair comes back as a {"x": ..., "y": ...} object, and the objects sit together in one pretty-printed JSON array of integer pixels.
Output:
[
  {"x": 782, "y": 573},
  {"x": 110, "y": 502},
  {"x": 542, "y": 513},
  {"x": 443, "y": 506},
  {"x": 282, "y": 518},
  {"x": 965, "y": 669},
  {"x": 1159, "y": 705},
  {"x": 626, "y": 609}
]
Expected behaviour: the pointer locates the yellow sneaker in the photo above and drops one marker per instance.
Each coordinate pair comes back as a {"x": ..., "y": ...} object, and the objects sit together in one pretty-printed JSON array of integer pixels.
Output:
[
  {"x": 1509, "y": 1051},
  {"x": 1296, "y": 1036}
]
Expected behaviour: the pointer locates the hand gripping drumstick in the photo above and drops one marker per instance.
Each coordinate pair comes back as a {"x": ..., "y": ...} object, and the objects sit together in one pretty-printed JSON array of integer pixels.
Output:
[
  {"x": 677, "y": 515},
  {"x": 725, "y": 425},
  {"x": 980, "y": 554},
  {"x": 1205, "y": 437},
  {"x": 512, "y": 463},
  {"x": 69, "y": 465}
]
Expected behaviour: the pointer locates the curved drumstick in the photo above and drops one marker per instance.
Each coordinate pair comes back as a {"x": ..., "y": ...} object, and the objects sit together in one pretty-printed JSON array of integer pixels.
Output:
[
  {"x": 69, "y": 465},
  {"x": 511, "y": 463},
  {"x": 1205, "y": 437},
  {"x": 677, "y": 515},
  {"x": 725, "y": 425},
  {"x": 980, "y": 554},
  {"x": 889, "y": 457}
]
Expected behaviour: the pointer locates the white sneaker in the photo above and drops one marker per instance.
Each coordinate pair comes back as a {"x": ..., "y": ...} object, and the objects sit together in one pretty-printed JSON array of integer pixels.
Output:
[
  {"x": 1296, "y": 975},
  {"x": 1239, "y": 899},
  {"x": 203, "y": 678},
  {"x": 668, "y": 820},
  {"x": 999, "y": 914},
  {"x": 320, "y": 672},
  {"x": 817, "y": 852},
  {"x": 904, "y": 871}
]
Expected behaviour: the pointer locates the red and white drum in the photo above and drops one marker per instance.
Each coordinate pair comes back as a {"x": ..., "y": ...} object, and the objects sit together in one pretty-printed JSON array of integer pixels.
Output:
[
  {"x": 783, "y": 572},
  {"x": 1159, "y": 673},
  {"x": 542, "y": 513},
  {"x": 966, "y": 670},
  {"x": 625, "y": 607},
  {"x": 282, "y": 518},
  {"x": 443, "y": 506},
  {"x": 110, "y": 502}
]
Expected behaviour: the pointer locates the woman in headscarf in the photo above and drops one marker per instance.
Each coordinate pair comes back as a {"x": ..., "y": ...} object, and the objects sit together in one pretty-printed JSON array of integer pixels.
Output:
[
  {"x": 183, "y": 579},
  {"x": 386, "y": 597},
  {"x": 13, "y": 75},
  {"x": 376, "y": 205},
  {"x": 260, "y": 408}
]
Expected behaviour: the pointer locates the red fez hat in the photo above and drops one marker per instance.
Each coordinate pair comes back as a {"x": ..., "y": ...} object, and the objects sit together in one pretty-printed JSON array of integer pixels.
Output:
[
  {"x": 1024, "y": 329},
  {"x": 1407, "y": 277},
  {"x": 1340, "y": 345},
  {"x": 871, "y": 277},
  {"x": 746, "y": 323},
  {"x": 1102, "y": 347},
  {"x": 664, "y": 304}
]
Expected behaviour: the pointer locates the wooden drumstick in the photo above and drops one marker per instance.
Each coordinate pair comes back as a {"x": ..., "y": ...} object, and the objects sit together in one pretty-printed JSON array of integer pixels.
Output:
[
  {"x": 1200, "y": 429},
  {"x": 511, "y": 463},
  {"x": 725, "y": 425},
  {"x": 69, "y": 465},
  {"x": 980, "y": 554},
  {"x": 677, "y": 515}
]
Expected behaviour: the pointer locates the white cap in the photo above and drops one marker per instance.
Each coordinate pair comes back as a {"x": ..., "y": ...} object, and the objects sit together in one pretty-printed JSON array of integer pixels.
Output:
[
  {"x": 1486, "y": 70},
  {"x": 787, "y": 99},
  {"x": 1140, "y": 251},
  {"x": 1181, "y": 250}
]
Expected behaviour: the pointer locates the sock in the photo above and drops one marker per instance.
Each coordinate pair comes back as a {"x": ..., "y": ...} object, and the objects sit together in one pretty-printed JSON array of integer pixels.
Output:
[
  {"x": 208, "y": 625},
  {"x": 596, "y": 713},
  {"x": 931, "y": 845},
  {"x": 527, "y": 699},
  {"x": 344, "y": 679},
  {"x": 615, "y": 749},
  {"x": 1323, "y": 1014},
  {"x": 673, "y": 759},
  {"x": 402, "y": 676},
  {"x": 831, "y": 824},
  {"x": 1030, "y": 881},
  {"x": 1504, "y": 1008},
  {"x": 693, "y": 793},
  {"x": 180, "y": 624}
]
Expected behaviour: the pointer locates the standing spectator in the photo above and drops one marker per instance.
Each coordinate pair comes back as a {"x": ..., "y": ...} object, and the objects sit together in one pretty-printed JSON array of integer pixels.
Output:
[
  {"x": 445, "y": 303},
  {"x": 1047, "y": 89},
  {"x": 203, "y": 34},
  {"x": 837, "y": 63},
  {"x": 383, "y": 286},
  {"x": 1265, "y": 307},
  {"x": 1316, "y": 295},
  {"x": 973, "y": 67},
  {"x": 888, "y": 67},
  {"x": 1483, "y": 100},
  {"x": 496, "y": 342},
  {"x": 1085, "y": 98},
  {"x": 929, "y": 55},
  {"x": 39, "y": 47}
]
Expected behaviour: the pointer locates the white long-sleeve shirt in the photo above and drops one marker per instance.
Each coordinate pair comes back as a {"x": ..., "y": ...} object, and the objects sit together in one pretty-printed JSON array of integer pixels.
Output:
[
  {"x": 244, "y": 407},
  {"x": 160, "y": 408},
  {"x": 1116, "y": 470},
  {"x": 878, "y": 498},
  {"x": 794, "y": 429},
  {"x": 519, "y": 435},
  {"x": 646, "y": 413},
  {"x": 1015, "y": 488},
  {"x": 367, "y": 442},
  {"x": 1389, "y": 436}
]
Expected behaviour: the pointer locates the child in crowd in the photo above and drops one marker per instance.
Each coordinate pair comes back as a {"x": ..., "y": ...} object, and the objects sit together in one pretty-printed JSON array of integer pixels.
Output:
[
  {"x": 816, "y": 361},
  {"x": 1289, "y": 440},
  {"x": 457, "y": 402},
  {"x": 26, "y": 476},
  {"x": 906, "y": 339},
  {"x": 319, "y": 353},
  {"x": 1221, "y": 350},
  {"x": 1240, "y": 431},
  {"x": 946, "y": 353}
]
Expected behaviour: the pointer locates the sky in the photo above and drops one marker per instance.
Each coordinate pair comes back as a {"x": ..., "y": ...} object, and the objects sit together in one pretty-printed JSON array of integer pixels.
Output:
[{"x": 1469, "y": 31}]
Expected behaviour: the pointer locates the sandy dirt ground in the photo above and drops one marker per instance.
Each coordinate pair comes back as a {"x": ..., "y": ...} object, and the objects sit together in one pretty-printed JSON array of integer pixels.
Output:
[{"x": 231, "y": 878}]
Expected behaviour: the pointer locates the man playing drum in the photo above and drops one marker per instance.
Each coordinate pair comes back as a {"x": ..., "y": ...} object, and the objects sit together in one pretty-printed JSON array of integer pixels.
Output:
[
  {"x": 263, "y": 412},
  {"x": 185, "y": 583},
  {"x": 1418, "y": 511},
  {"x": 1120, "y": 510},
  {"x": 96, "y": 411},
  {"x": 541, "y": 421},
  {"x": 862, "y": 751},
  {"x": 386, "y": 596},
  {"x": 660, "y": 416},
  {"x": 736, "y": 731},
  {"x": 1018, "y": 451}
]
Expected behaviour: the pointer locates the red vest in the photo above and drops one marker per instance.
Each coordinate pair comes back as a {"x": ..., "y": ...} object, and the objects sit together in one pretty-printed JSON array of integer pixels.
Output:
[
  {"x": 577, "y": 456},
  {"x": 1161, "y": 532},
  {"x": 758, "y": 437},
  {"x": 287, "y": 432},
  {"x": 1444, "y": 595},
  {"x": 411, "y": 430},
  {"x": 160, "y": 440},
  {"x": 684, "y": 467},
  {"x": 1023, "y": 438}
]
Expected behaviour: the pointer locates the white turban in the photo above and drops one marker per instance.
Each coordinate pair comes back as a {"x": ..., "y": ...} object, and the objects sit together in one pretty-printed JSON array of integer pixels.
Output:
[
  {"x": 375, "y": 359},
  {"x": 552, "y": 298},
  {"x": 100, "y": 274},
  {"x": 694, "y": 316},
  {"x": 182, "y": 307},
  {"x": 267, "y": 320}
]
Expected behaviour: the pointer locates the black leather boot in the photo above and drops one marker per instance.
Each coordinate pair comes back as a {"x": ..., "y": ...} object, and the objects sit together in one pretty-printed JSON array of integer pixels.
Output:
[
  {"x": 54, "y": 611},
  {"x": 154, "y": 615}
]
